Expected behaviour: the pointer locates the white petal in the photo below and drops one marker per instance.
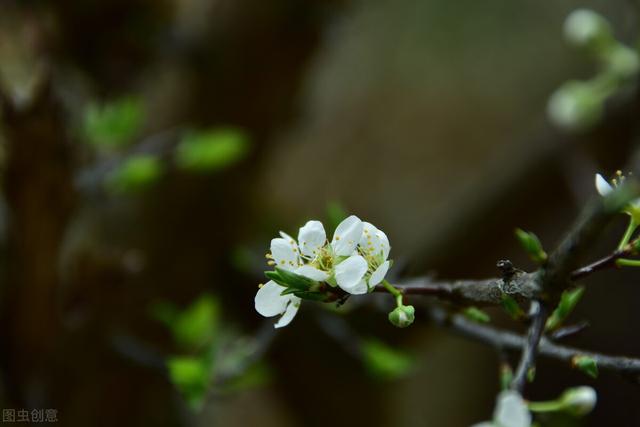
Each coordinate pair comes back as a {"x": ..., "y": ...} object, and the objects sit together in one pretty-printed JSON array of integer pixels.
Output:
[
  {"x": 311, "y": 238},
  {"x": 374, "y": 241},
  {"x": 484, "y": 424},
  {"x": 347, "y": 236},
  {"x": 285, "y": 253},
  {"x": 360, "y": 288},
  {"x": 349, "y": 273},
  {"x": 312, "y": 273},
  {"x": 511, "y": 411},
  {"x": 268, "y": 300},
  {"x": 290, "y": 313},
  {"x": 379, "y": 274},
  {"x": 602, "y": 185},
  {"x": 286, "y": 236}
]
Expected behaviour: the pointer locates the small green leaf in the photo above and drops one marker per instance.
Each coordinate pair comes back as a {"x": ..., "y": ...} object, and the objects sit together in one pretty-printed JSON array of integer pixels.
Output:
[
  {"x": 477, "y": 315},
  {"x": 293, "y": 280},
  {"x": 531, "y": 374},
  {"x": 512, "y": 308},
  {"x": 255, "y": 376},
  {"x": 531, "y": 245},
  {"x": 135, "y": 173},
  {"x": 506, "y": 376},
  {"x": 568, "y": 301},
  {"x": 211, "y": 150},
  {"x": 197, "y": 326},
  {"x": 191, "y": 377},
  {"x": 586, "y": 364},
  {"x": 384, "y": 362},
  {"x": 113, "y": 124}
]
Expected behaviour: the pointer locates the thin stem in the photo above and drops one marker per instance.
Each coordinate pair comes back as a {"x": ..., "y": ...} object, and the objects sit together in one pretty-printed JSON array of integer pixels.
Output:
[
  {"x": 627, "y": 234},
  {"x": 547, "y": 406},
  {"x": 628, "y": 262},
  {"x": 530, "y": 350},
  {"x": 393, "y": 291}
]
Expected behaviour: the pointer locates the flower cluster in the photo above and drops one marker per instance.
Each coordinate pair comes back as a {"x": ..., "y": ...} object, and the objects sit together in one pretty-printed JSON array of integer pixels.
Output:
[{"x": 355, "y": 261}]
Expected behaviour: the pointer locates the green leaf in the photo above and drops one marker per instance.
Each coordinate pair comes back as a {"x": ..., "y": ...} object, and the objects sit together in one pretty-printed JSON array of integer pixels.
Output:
[
  {"x": 531, "y": 245},
  {"x": 568, "y": 301},
  {"x": 113, "y": 124},
  {"x": 586, "y": 364},
  {"x": 197, "y": 326},
  {"x": 290, "y": 280},
  {"x": 191, "y": 376},
  {"x": 255, "y": 376},
  {"x": 477, "y": 315},
  {"x": 506, "y": 376},
  {"x": 135, "y": 173},
  {"x": 211, "y": 150},
  {"x": 384, "y": 362},
  {"x": 512, "y": 308}
]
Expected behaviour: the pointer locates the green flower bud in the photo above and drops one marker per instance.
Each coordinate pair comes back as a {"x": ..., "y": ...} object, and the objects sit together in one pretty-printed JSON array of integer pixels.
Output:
[
  {"x": 623, "y": 61},
  {"x": 585, "y": 28},
  {"x": 575, "y": 105},
  {"x": 580, "y": 400},
  {"x": 402, "y": 316}
]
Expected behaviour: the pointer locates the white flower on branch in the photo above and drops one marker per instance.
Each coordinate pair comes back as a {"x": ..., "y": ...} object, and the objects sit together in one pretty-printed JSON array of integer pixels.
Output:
[
  {"x": 355, "y": 261},
  {"x": 605, "y": 188},
  {"x": 269, "y": 302},
  {"x": 510, "y": 411}
]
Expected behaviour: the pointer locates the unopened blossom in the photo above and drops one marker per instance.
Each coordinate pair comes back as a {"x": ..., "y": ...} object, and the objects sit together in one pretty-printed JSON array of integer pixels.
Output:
[
  {"x": 605, "y": 188},
  {"x": 580, "y": 400},
  {"x": 511, "y": 411}
]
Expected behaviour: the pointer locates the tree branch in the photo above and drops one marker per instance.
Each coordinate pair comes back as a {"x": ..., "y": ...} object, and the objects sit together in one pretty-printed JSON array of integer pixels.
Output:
[{"x": 501, "y": 339}]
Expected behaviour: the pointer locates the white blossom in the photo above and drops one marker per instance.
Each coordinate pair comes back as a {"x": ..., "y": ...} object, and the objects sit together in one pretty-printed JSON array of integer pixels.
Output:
[
  {"x": 605, "y": 188},
  {"x": 269, "y": 302},
  {"x": 510, "y": 411},
  {"x": 355, "y": 260}
]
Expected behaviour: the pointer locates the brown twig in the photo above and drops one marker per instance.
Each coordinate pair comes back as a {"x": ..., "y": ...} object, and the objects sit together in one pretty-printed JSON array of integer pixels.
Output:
[{"x": 501, "y": 339}]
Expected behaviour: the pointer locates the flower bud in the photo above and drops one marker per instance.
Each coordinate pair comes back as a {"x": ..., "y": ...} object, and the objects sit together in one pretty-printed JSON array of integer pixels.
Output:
[
  {"x": 402, "y": 316},
  {"x": 575, "y": 105},
  {"x": 579, "y": 400},
  {"x": 585, "y": 27},
  {"x": 624, "y": 61}
]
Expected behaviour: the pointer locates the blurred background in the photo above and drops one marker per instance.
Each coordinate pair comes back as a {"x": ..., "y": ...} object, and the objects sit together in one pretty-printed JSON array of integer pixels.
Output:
[{"x": 150, "y": 150}]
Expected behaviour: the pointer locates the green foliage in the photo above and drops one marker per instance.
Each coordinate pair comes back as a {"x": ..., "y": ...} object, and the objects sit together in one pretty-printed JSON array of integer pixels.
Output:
[
  {"x": 191, "y": 376},
  {"x": 256, "y": 375},
  {"x": 586, "y": 364},
  {"x": 135, "y": 174},
  {"x": 506, "y": 376},
  {"x": 212, "y": 150},
  {"x": 196, "y": 326},
  {"x": 113, "y": 124},
  {"x": 477, "y": 315},
  {"x": 292, "y": 281},
  {"x": 568, "y": 301},
  {"x": 512, "y": 308},
  {"x": 384, "y": 362},
  {"x": 531, "y": 245}
]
